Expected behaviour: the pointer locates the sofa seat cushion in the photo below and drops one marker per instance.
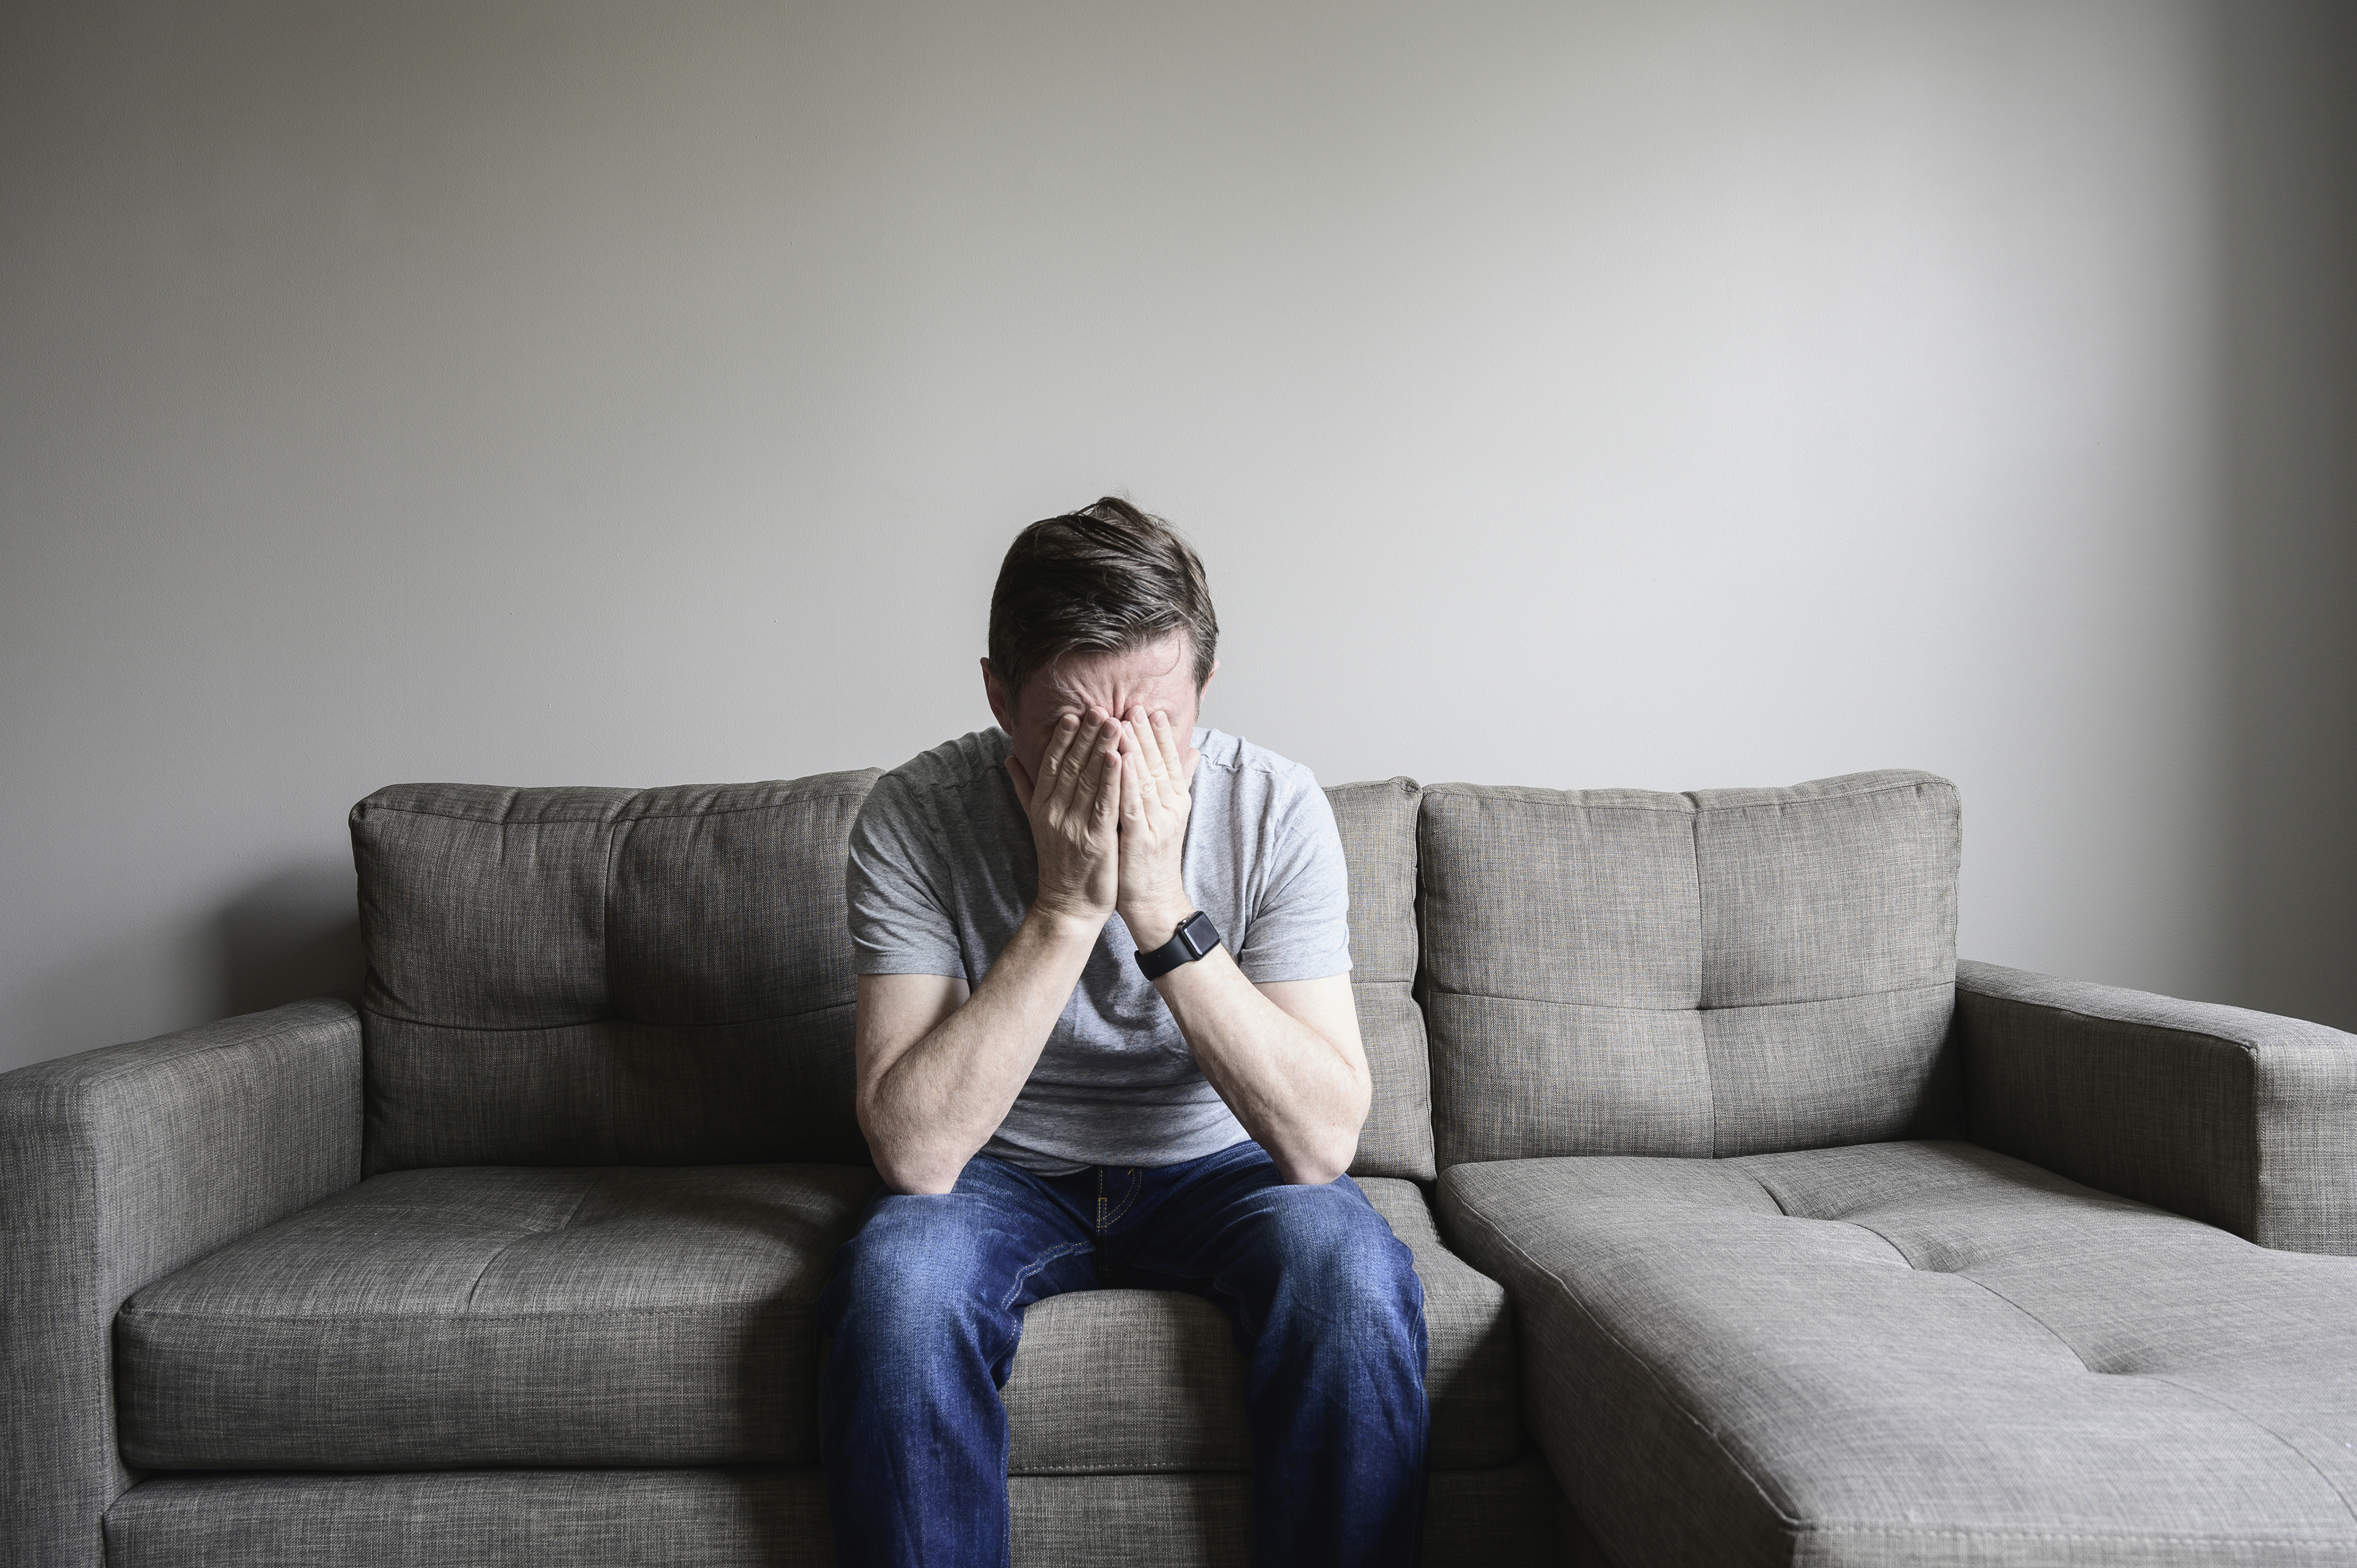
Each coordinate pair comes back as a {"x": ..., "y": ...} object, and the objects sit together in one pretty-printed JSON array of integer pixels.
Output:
[
  {"x": 1916, "y": 1353},
  {"x": 473, "y": 1315},
  {"x": 1119, "y": 1380},
  {"x": 486, "y": 1315}
]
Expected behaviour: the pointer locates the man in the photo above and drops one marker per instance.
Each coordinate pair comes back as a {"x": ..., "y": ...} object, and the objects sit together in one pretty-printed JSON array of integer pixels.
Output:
[{"x": 1106, "y": 1038}]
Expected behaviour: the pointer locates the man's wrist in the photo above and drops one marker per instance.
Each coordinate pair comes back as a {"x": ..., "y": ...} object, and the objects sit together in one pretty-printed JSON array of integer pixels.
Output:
[
  {"x": 1059, "y": 924},
  {"x": 1151, "y": 925}
]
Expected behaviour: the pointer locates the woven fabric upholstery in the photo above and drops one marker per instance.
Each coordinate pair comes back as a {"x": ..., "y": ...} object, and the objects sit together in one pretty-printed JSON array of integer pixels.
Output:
[
  {"x": 1917, "y": 1353},
  {"x": 746, "y": 1517},
  {"x": 1727, "y": 972},
  {"x": 1112, "y": 1521},
  {"x": 579, "y": 976},
  {"x": 449, "y": 1318},
  {"x": 1378, "y": 826},
  {"x": 116, "y": 1167},
  {"x": 1503, "y": 1517},
  {"x": 483, "y": 1518},
  {"x": 2241, "y": 1118},
  {"x": 1513, "y": 1514},
  {"x": 1141, "y": 1381}
]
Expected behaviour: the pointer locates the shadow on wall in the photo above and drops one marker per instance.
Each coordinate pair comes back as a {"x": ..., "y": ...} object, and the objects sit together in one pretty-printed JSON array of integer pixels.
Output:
[
  {"x": 2288, "y": 168},
  {"x": 292, "y": 934}
]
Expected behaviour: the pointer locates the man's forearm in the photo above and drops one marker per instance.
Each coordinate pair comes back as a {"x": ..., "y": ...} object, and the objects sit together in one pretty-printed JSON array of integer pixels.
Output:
[
  {"x": 942, "y": 1097},
  {"x": 1295, "y": 1091}
]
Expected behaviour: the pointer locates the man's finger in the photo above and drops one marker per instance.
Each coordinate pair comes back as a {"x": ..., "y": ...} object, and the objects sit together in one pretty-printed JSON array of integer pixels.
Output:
[
  {"x": 1022, "y": 777},
  {"x": 1176, "y": 762},
  {"x": 1059, "y": 748},
  {"x": 1140, "y": 746},
  {"x": 1069, "y": 788},
  {"x": 1149, "y": 747},
  {"x": 1109, "y": 772},
  {"x": 1134, "y": 781}
]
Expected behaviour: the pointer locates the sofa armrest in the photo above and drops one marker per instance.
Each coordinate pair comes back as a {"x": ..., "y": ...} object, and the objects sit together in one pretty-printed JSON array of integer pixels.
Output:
[
  {"x": 118, "y": 1166},
  {"x": 2243, "y": 1119}
]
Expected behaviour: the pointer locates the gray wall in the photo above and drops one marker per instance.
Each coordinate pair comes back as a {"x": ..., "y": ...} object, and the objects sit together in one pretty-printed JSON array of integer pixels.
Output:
[{"x": 1675, "y": 395}]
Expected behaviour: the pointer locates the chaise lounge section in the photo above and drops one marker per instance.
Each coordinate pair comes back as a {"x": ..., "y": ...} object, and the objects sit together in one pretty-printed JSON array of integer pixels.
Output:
[{"x": 1774, "y": 1308}]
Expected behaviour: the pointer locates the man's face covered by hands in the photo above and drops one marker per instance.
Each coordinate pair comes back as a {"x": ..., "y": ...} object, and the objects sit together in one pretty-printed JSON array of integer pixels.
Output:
[
  {"x": 1103, "y": 762},
  {"x": 1156, "y": 677}
]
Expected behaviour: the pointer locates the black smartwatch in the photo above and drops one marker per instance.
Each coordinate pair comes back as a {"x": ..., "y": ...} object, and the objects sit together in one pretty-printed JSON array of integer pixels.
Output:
[{"x": 1197, "y": 936}]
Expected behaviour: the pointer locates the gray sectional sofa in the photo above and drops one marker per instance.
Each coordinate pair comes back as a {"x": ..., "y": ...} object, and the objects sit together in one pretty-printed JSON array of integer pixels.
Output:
[{"x": 1753, "y": 1227}]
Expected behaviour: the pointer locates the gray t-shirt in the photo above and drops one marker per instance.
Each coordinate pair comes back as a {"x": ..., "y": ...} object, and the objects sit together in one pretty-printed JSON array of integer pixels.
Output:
[{"x": 942, "y": 871}]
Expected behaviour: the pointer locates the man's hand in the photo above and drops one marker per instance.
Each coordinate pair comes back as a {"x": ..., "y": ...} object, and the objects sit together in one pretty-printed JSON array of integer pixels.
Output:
[
  {"x": 1158, "y": 766},
  {"x": 1073, "y": 805},
  {"x": 940, "y": 1067}
]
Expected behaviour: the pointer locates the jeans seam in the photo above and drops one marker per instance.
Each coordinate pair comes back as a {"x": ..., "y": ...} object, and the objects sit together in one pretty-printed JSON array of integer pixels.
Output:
[
  {"x": 1054, "y": 1254},
  {"x": 1106, "y": 1221}
]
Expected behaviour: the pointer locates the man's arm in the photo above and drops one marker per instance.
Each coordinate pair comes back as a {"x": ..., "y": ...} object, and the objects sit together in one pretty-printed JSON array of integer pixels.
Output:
[
  {"x": 1285, "y": 1057},
  {"x": 939, "y": 1070},
  {"x": 940, "y": 1067}
]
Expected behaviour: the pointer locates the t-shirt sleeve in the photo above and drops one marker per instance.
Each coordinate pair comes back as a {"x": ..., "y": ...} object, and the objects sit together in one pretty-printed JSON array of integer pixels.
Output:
[
  {"x": 896, "y": 886},
  {"x": 1301, "y": 927}
]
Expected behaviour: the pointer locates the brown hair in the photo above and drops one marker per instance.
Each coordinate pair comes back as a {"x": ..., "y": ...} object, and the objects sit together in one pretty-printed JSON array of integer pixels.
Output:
[{"x": 1099, "y": 580}]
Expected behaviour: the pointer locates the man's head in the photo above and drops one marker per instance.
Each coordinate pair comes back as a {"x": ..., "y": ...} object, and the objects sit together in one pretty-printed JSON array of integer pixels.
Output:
[{"x": 1100, "y": 607}]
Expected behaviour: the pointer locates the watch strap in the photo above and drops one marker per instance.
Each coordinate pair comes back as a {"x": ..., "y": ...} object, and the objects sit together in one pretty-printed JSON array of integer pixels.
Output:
[{"x": 1196, "y": 937}]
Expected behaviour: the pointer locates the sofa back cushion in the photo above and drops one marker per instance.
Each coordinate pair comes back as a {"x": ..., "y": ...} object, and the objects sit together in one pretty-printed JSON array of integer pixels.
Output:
[
  {"x": 1378, "y": 826},
  {"x": 585, "y": 976},
  {"x": 1731, "y": 972}
]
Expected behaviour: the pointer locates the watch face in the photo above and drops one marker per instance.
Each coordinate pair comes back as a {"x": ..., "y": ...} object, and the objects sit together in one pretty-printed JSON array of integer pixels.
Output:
[{"x": 1199, "y": 935}]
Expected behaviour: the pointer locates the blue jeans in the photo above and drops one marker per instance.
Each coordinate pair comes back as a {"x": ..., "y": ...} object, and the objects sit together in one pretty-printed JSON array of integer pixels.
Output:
[{"x": 925, "y": 1308}]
